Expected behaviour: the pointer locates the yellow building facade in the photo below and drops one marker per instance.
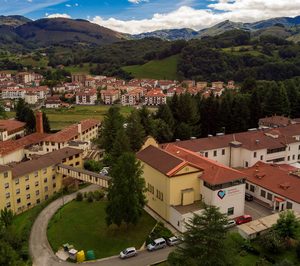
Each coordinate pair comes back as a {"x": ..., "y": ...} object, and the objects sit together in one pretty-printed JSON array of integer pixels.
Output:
[{"x": 26, "y": 184}]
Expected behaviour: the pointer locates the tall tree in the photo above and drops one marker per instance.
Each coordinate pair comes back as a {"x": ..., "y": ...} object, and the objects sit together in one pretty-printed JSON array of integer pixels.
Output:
[
  {"x": 164, "y": 113},
  {"x": 112, "y": 123},
  {"x": 135, "y": 131},
  {"x": 255, "y": 107},
  {"x": 46, "y": 123},
  {"x": 204, "y": 240},
  {"x": 146, "y": 120},
  {"x": 20, "y": 115},
  {"x": 126, "y": 197},
  {"x": 161, "y": 131},
  {"x": 29, "y": 119}
]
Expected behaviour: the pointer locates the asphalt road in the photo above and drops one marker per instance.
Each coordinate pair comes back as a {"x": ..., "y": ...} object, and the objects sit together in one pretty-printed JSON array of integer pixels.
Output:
[{"x": 42, "y": 254}]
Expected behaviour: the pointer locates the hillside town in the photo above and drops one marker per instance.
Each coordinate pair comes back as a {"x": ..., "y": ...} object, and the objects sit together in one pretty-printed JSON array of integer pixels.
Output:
[{"x": 91, "y": 90}]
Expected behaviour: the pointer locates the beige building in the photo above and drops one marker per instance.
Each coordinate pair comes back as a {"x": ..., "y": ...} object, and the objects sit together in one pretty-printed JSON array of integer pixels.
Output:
[
  {"x": 28, "y": 183},
  {"x": 9, "y": 129},
  {"x": 178, "y": 181}
]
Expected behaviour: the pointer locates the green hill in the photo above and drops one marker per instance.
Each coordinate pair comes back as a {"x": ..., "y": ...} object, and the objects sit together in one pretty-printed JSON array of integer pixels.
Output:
[{"x": 156, "y": 69}]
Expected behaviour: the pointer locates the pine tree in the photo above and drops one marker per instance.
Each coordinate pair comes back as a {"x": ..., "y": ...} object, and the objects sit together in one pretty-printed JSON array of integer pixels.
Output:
[
  {"x": 112, "y": 123},
  {"x": 20, "y": 114},
  {"x": 126, "y": 198},
  {"x": 161, "y": 131},
  {"x": 255, "y": 107},
  {"x": 146, "y": 120},
  {"x": 164, "y": 113},
  {"x": 204, "y": 240},
  {"x": 135, "y": 131},
  {"x": 30, "y": 120}
]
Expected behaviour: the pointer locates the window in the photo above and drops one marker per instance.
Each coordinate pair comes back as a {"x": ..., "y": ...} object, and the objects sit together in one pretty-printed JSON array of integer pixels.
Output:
[
  {"x": 7, "y": 195},
  {"x": 150, "y": 188},
  {"x": 254, "y": 154},
  {"x": 46, "y": 189},
  {"x": 247, "y": 186},
  {"x": 45, "y": 180},
  {"x": 246, "y": 164},
  {"x": 159, "y": 195},
  {"x": 27, "y": 187},
  {"x": 77, "y": 163},
  {"x": 223, "y": 151},
  {"x": 37, "y": 193},
  {"x": 230, "y": 211},
  {"x": 77, "y": 156},
  {"x": 8, "y": 205},
  {"x": 54, "y": 185},
  {"x": 276, "y": 150},
  {"x": 5, "y": 174},
  {"x": 299, "y": 157},
  {"x": 28, "y": 204},
  {"x": 45, "y": 171},
  {"x": 64, "y": 160},
  {"x": 293, "y": 157},
  {"x": 261, "y": 157},
  {"x": 288, "y": 158},
  {"x": 38, "y": 201},
  {"x": 17, "y": 181},
  {"x": 263, "y": 193},
  {"x": 269, "y": 196},
  {"x": 37, "y": 183},
  {"x": 252, "y": 188},
  {"x": 206, "y": 154},
  {"x": 215, "y": 153},
  {"x": 46, "y": 197},
  {"x": 6, "y": 185},
  {"x": 28, "y": 196},
  {"x": 17, "y": 191},
  {"x": 53, "y": 177},
  {"x": 289, "y": 205},
  {"x": 27, "y": 178},
  {"x": 18, "y": 200}
]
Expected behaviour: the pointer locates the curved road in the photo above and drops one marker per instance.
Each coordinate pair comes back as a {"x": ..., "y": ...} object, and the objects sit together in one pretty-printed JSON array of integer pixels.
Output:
[{"x": 42, "y": 254}]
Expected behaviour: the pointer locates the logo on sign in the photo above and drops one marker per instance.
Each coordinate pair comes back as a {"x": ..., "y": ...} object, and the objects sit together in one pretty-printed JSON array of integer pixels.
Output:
[{"x": 221, "y": 194}]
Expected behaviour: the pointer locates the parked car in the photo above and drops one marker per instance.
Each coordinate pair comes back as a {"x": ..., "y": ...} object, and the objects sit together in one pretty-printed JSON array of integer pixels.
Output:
[
  {"x": 248, "y": 197},
  {"x": 157, "y": 244},
  {"x": 230, "y": 223},
  {"x": 243, "y": 219},
  {"x": 174, "y": 240},
  {"x": 128, "y": 252}
]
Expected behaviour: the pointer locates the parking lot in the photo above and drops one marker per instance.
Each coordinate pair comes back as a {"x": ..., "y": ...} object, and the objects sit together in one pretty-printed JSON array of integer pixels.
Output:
[{"x": 256, "y": 210}]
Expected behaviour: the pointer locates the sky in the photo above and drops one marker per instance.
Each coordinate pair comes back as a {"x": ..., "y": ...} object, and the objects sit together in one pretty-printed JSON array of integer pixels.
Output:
[{"x": 137, "y": 16}]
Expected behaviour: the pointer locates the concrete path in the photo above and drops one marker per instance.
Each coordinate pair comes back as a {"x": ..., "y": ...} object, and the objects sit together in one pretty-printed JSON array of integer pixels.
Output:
[{"x": 42, "y": 254}]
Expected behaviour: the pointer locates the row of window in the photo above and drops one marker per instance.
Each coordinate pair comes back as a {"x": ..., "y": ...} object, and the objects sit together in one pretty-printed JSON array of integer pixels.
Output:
[
  {"x": 159, "y": 194},
  {"x": 17, "y": 181},
  {"x": 225, "y": 185},
  {"x": 215, "y": 153},
  {"x": 37, "y": 192}
]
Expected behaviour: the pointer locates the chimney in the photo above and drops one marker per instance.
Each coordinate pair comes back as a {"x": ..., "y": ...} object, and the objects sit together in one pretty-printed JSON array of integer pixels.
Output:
[
  {"x": 79, "y": 130},
  {"x": 39, "y": 122}
]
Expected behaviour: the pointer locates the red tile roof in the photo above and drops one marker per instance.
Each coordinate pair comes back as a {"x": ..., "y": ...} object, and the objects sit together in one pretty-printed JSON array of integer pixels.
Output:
[
  {"x": 11, "y": 125},
  {"x": 9, "y": 146},
  {"x": 213, "y": 172},
  {"x": 71, "y": 132},
  {"x": 276, "y": 179}
]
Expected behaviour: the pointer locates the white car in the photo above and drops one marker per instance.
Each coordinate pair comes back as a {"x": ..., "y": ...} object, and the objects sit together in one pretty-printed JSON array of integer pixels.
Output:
[
  {"x": 157, "y": 244},
  {"x": 174, "y": 240},
  {"x": 230, "y": 223},
  {"x": 128, "y": 252}
]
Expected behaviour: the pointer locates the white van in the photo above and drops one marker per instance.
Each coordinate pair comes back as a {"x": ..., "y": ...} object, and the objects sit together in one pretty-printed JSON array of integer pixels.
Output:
[{"x": 157, "y": 244}]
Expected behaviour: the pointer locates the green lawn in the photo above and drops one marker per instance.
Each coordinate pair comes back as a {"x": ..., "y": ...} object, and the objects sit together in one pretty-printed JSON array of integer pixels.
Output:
[
  {"x": 60, "y": 118},
  {"x": 156, "y": 69},
  {"x": 238, "y": 50},
  {"x": 82, "y": 224}
]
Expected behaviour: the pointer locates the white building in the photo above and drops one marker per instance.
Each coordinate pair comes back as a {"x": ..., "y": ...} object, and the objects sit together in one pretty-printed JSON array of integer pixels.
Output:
[{"x": 86, "y": 97}]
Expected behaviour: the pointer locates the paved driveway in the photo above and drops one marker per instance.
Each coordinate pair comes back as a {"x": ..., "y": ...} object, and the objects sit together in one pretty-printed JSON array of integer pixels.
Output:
[
  {"x": 256, "y": 210},
  {"x": 42, "y": 254}
]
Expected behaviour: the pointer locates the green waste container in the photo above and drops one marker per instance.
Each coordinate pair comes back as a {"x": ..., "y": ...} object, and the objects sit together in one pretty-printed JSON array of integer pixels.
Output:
[{"x": 90, "y": 255}]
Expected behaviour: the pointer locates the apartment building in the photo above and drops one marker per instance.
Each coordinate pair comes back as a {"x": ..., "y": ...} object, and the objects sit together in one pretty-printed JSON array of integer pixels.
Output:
[
  {"x": 28, "y": 183},
  {"x": 280, "y": 145},
  {"x": 155, "y": 97},
  {"x": 133, "y": 97},
  {"x": 178, "y": 181},
  {"x": 109, "y": 96},
  {"x": 88, "y": 97}
]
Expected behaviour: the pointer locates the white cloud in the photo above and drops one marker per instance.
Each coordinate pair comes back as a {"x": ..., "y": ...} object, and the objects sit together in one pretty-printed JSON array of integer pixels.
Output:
[
  {"x": 76, "y": 4},
  {"x": 68, "y": 5},
  {"x": 137, "y": 1},
  {"x": 217, "y": 11},
  {"x": 58, "y": 15}
]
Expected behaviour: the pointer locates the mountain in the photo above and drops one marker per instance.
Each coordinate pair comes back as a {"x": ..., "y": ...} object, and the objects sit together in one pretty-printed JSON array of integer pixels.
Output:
[
  {"x": 169, "y": 35},
  {"x": 13, "y": 21},
  {"x": 285, "y": 21},
  {"x": 66, "y": 31}
]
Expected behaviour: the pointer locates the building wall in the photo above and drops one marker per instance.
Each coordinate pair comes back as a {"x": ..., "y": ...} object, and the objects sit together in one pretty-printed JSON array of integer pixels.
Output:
[
  {"x": 16, "y": 156},
  {"x": 5, "y": 178}
]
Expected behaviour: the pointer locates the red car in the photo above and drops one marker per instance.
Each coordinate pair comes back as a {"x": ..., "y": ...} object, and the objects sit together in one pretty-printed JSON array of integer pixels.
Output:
[{"x": 243, "y": 219}]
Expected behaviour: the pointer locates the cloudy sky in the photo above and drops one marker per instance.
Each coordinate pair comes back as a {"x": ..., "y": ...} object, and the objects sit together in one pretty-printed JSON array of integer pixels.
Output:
[{"x": 136, "y": 16}]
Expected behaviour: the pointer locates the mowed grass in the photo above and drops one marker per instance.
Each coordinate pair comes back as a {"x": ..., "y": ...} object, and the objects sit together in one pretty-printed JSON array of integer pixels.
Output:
[
  {"x": 60, "y": 118},
  {"x": 156, "y": 69},
  {"x": 82, "y": 224}
]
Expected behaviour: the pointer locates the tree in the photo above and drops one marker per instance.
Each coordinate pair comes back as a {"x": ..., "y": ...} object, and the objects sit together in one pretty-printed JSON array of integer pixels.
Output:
[
  {"x": 29, "y": 120},
  {"x": 161, "y": 131},
  {"x": 146, "y": 120},
  {"x": 204, "y": 240},
  {"x": 6, "y": 217},
  {"x": 126, "y": 197},
  {"x": 271, "y": 241},
  {"x": 8, "y": 256},
  {"x": 2, "y": 112},
  {"x": 135, "y": 131},
  {"x": 164, "y": 113},
  {"x": 46, "y": 124},
  {"x": 112, "y": 123},
  {"x": 20, "y": 115},
  {"x": 287, "y": 226}
]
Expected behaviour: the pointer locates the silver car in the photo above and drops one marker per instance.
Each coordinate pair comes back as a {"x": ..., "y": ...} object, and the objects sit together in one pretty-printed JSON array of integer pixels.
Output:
[{"x": 128, "y": 252}]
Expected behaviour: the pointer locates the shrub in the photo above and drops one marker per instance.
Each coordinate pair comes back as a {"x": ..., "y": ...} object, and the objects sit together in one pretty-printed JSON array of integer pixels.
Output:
[
  {"x": 85, "y": 194},
  {"x": 79, "y": 196},
  {"x": 159, "y": 231},
  {"x": 90, "y": 197},
  {"x": 98, "y": 195}
]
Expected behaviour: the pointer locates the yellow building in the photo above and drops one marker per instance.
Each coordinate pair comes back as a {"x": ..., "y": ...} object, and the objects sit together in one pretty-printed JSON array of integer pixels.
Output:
[
  {"x": 26, "y": 184},
  {"x": 178, "y": 180}
]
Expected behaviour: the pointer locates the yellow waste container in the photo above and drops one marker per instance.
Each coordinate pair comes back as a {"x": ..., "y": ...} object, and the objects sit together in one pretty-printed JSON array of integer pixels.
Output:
[{"x": 80, "y": 256}]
